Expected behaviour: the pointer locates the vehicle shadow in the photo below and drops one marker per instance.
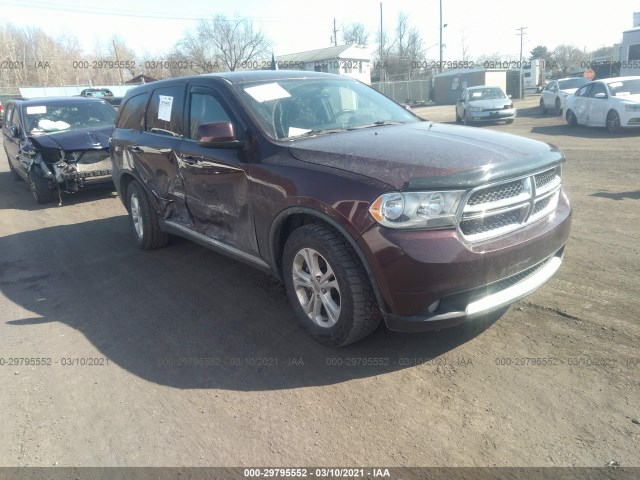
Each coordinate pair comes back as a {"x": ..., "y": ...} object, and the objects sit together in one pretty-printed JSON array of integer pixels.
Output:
[
  {"x": 17, "y": 196},
  {"x": 618, "y": 195},
  {"x": 186, "y": 317},
  {"x": 581, "y": 132}
]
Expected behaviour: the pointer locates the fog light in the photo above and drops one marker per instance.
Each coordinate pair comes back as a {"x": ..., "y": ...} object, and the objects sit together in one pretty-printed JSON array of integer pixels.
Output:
[{"x": 434, "y": 306}]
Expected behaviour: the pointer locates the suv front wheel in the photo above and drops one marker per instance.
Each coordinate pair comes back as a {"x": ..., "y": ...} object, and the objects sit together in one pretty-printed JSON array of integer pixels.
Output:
[
  {"x": 328, "y": 286},
  {"x": 144, "y": 219}
]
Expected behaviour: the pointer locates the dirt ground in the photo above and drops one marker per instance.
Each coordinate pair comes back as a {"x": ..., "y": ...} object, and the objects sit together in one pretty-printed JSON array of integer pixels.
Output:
[{"x": 111, "y": 356}]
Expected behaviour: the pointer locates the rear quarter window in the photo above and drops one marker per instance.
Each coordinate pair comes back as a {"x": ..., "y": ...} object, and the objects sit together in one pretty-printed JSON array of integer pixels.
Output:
[{"x": 132, "y": 114}]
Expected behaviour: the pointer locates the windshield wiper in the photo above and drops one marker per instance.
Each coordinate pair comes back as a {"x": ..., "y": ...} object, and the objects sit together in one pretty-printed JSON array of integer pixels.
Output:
[{"x": 379, "y": 123}]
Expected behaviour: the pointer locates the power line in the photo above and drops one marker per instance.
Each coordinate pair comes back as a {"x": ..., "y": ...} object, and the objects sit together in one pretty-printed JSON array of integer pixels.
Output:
[{"x": 135, "y": 14}]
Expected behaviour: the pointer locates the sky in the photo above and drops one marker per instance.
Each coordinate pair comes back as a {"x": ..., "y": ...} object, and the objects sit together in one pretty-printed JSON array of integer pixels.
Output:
[{"x": 488, "y": 27}]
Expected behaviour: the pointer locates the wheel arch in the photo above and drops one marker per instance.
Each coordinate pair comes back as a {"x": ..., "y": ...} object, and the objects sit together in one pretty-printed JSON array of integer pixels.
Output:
[
  {"x": 295, "y": 217},
  {"x": 124, "y": 179}
]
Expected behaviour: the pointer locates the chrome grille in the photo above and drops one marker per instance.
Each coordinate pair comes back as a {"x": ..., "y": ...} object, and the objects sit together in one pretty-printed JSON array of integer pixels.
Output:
[
  {"x": 541, "y": 205},
  {"x": 544, "y": 178},
  {"x": 493, "y": 194},
  {"x": 497, "y": 209},
  {"x": 486, "y": 224}
]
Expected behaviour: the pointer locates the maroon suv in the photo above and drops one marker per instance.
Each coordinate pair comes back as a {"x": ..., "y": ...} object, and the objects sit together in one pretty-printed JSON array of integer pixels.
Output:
[{"x": 363, "y": 210}]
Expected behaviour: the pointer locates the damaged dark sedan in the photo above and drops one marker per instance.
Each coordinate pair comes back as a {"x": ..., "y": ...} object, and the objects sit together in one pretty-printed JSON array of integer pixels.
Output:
[{"x": 58, "y": 144}]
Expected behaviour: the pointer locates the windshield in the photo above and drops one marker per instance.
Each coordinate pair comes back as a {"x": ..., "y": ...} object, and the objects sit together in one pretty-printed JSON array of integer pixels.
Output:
[
  {"x": 571, "y": 83},
  {"x": 60, "y": 117},
  {"x": 625, "y": 88},
  {"x": 294, "y": 108},
  {"x": 486, "y": 94}
]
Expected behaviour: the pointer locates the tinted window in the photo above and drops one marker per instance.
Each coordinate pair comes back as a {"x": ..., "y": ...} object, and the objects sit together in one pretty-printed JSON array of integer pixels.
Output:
[
  {"x": 132, "y": 114},
  {"x": 584, "y": 91},
  {"x": 205, "y": 108},
  {"x": 572, "y": 83},
  {"x": 295, "y": 107},
  {"x": 634, "y": 52},
  {"x": 597, "y": 88},
  {"x": 164, "y": 115},
  {"x": 58, "y": 116}
]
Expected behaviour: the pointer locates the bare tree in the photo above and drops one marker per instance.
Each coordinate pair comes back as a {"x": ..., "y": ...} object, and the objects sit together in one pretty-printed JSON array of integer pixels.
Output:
[
  {"x": 229, "y": 43},
  {"x": 355, "y": 33},
  {"x": 465, "y": 48},
  {"x": 567, "y": 58},
  {"x": 402, "y": 54}
]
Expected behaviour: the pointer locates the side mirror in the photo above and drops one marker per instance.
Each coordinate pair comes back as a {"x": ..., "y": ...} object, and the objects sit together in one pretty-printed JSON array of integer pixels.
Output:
[
  {"x": 217, "y": 135},
  {"x": 600, "y": 95},
  {"x": 14, "y": 131}
]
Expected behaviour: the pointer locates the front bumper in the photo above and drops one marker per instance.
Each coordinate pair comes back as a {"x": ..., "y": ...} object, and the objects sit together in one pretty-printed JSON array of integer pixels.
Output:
[
  {"x": 492, "y": 115},
  {"x": 430, "y": 280}
]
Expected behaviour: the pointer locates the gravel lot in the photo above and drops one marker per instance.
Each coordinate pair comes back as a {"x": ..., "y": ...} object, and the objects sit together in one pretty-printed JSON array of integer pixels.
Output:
[{"x": 182, "y": 357}]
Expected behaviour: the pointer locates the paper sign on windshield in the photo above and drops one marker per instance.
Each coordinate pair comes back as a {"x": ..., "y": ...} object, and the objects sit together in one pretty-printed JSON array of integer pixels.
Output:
[
  {"x": 36, "y": 110},
  {"x": 270, "y": 91},
  {"x": 164, "y": 109}
]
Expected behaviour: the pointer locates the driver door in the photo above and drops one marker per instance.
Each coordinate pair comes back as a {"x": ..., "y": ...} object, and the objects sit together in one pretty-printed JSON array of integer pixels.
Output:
[{"x": 216, "y": 184}]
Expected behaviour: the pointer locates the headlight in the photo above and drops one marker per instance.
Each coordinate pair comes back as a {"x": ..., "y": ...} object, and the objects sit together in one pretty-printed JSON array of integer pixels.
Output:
[
  {"x": 416, "y": 209},
  {"x": 475, "y": 109},
  {"x": 632, "y": 108}
]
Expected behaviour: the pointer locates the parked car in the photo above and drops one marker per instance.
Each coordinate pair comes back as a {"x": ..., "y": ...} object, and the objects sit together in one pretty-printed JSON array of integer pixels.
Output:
[
  {"x": 554, "y": 94},
  {"x": 1, "y": 111},
  {"x": 484, "y": 104},
  {"x": 58, "y": 144},
  {"x": 103, "y": 93},
  {"x": 612, "y": 102},
  {"x": 96, "y": 92},
  {"x": 362, "y": 209}
]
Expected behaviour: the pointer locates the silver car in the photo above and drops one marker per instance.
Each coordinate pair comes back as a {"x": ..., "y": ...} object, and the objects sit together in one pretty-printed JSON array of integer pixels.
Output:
[{"x": 484, "y": 104}]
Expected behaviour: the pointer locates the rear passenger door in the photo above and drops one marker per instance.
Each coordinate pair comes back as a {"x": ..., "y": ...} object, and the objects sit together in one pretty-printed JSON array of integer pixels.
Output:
[
  {"x": 148, "y": 142},
  {"x": 216, "y": 183}
]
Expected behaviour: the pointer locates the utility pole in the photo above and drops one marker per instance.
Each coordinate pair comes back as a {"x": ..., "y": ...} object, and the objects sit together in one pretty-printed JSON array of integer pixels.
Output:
[
  {"x": 521, "y": 34},
  {"x": 440, "y": 64},
  {"x": 381, "y": 39},
  {"x": 115, "y": 49},
  {"x": 335, "y": 34}
]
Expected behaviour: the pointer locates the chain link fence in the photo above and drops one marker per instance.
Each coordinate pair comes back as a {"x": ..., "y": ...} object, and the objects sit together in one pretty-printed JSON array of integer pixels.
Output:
[{"x": 408, "y": 91}]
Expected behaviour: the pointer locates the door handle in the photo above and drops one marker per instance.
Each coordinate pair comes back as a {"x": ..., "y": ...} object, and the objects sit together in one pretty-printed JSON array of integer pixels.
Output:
[{"x": 190, "y": 159}]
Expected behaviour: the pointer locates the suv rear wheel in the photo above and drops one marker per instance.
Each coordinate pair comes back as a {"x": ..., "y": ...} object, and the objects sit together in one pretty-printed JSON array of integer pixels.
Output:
[
  {"x": 144, "y": 219},
  {"x": 328, "y": 286}
]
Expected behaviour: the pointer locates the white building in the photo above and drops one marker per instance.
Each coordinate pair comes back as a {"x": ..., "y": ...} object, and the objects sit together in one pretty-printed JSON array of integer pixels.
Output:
[
  {"x": 348, "y": 60},
  {"x": 630, "y": 49}
]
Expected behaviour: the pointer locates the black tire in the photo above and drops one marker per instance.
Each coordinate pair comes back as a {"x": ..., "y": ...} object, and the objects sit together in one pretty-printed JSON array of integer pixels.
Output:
[
  {"x": 508, "y": 121},
  {"x": 16, "y": 176},
  {"x": 613, "y": 122},
  {"x": 40, "y": 188},
  {"x": 358, "y": 314},
  {"x": 458, "y": 119},
  {"x": 465, "y": 120},
  {"x": 558, "y": 107},
  {"x": 542, "y": 107},
  {"x": 144, "y": 219},
  {"x": 572, "y": 121}
]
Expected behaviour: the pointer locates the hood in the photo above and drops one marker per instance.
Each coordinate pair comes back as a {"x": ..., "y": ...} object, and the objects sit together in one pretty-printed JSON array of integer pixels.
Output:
[
  {"x": 427, "y": 155},
  {"x": 79, "y": 139}
]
